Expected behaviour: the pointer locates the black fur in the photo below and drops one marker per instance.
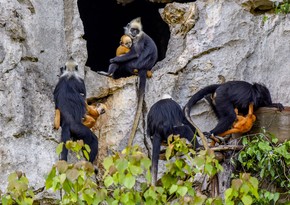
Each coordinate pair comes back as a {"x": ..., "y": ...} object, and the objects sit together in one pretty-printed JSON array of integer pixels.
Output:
[
  {"x": 165, "y": 117},
  {"x": 231, "y": 95},
  {"x": 69, "y": 97},
  {"x": 142, "y": 56}
]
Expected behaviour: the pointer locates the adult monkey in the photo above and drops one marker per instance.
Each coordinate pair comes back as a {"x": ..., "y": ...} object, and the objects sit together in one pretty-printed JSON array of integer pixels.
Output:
[
  {"x": 230, "y": 95},
  {"x": 142, "y": 56},
  {"x": 70, "y": 99},
  {"x": 165, "y": 117}
]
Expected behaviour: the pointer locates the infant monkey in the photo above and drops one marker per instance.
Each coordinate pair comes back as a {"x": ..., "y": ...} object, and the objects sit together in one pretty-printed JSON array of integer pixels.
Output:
[
  {"x": 124, "y": 47},
  {"x": 93, "y": 112}
]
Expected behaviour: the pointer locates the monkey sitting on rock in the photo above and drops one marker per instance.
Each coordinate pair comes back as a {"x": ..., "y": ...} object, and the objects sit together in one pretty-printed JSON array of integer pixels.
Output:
[{"x": 124, "y": 47}]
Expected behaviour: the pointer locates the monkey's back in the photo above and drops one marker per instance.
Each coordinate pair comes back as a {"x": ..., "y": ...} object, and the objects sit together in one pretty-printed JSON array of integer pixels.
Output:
[
  {"x": 163, "y": 116},
  {"x": 69, "y": 98}
]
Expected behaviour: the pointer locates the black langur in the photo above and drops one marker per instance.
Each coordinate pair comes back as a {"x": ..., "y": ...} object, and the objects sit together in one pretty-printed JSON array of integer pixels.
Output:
[
  {"x": 166, "y": 117},
  {"x": 70, "y": 100},
  {"x": 142, "y": 56},
  {"x": 227, "y": 97}
]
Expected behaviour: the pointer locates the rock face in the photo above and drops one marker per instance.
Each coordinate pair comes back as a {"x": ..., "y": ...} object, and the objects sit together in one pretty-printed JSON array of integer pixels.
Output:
[{"x": 208, "y": 39}]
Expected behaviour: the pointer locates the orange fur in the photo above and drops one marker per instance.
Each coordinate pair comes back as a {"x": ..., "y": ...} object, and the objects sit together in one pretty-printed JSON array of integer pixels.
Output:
[
  {"x": 125, "y": 45},
  {"x": 90, "y": 118},
  {"x": 243, "y": 124},
  {"x": 93, "y": 112}
]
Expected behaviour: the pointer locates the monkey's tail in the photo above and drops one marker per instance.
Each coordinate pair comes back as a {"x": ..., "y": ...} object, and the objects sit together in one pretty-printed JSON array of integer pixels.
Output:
[
  {"x": 140, "y": 97},
  {"x": 199, "y": 95},
  {"x": 155, "y": 157},
  {"x": 192, "y": 101}
]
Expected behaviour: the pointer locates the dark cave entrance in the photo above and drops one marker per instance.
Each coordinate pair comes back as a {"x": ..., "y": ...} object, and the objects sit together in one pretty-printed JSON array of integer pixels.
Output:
[{"x": 104, "y": 22}]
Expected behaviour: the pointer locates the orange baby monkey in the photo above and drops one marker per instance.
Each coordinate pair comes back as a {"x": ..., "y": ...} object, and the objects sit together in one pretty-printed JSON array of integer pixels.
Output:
[
  {"x": 125, "y": 45},
  {"x": 93, "y": 112},
  {"x": 243, "y": 124}
]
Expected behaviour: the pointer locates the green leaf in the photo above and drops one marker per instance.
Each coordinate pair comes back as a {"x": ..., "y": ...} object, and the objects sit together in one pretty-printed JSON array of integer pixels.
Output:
[
  {"x": 182, "y": 190},
  {"x": 247, "y": 199},
  {"x": 173, "y": 188},
  {"x": 108, "y": 162},
  {"x": 135, "y": 170},
  {"x": 50, "y": 177},
  {"x": 86, "y": 154},
  {"x": 59, "y": 148},
  {"x": 129, "y": 181},
  {"x": 108, "y": 181},
  {"x": 146, "y": 163}
]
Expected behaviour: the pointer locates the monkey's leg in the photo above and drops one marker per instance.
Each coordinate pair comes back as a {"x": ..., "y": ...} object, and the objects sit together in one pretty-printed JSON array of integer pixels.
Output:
[
  {"x": 82, "y": 132},
  {"x": 231, "y": 131},
  {"x": 226, "y": 114},
  {"x": 57, "y": 119},
  {"x": 156, "y": 143}
]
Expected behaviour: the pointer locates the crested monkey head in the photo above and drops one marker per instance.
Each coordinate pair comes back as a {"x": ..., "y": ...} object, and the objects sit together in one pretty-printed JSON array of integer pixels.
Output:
[
  {"x": 134, "y": 28},
  {"x": 70, "y": 68},
  {"x": 126, "y": 41}
]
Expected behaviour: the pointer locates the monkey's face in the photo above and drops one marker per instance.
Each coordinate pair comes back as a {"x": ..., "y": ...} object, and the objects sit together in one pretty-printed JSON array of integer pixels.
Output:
[
  {"x": 101, "y": 108},
  {"x": 134, "y": 28},
  {"x": 126, "y": 41}
]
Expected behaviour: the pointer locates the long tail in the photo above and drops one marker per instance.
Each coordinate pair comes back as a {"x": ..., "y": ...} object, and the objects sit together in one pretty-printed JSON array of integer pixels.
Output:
[
  {"x": 141, "y": 92},
  {"x": 199, "y": 95},
  {"x": 155, "y": 157},
  {"x": 192, "y": 101}
]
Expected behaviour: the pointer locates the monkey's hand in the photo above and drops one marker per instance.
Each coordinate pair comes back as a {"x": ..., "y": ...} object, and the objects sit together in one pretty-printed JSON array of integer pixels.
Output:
[
  {"x": 279, "y": 106},
  {"x": 113, "y": 60}
]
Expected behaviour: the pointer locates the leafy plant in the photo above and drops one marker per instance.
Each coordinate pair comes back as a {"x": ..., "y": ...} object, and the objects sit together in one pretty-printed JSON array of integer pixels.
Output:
[
  {"x": 242, "y": 191},
  {"x": 283, "y": 7},
  {"x": 18, "y": 191},
  {"x": 76, "y": 179},
  {"x": 265, "y": 156},
  {"x": 121, "y": 173}
]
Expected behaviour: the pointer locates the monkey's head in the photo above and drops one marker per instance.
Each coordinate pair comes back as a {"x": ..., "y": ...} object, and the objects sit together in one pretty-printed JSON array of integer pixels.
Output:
[
  {"x": 166, "y": 96},
  {"x": 71, "y": 67},
  {"x": 134, "y": 28},
  {"x": 126, "y": 41},
  {"x": 101, "y": 108}
]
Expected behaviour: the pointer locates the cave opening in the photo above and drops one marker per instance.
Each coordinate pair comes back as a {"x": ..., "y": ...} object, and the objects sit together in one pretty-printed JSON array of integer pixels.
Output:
[{"x": 103, "y": 28}]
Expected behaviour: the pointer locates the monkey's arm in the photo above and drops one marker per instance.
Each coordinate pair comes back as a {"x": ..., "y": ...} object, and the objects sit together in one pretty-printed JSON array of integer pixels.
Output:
[
  {"x": 277, "y": 105},
  {"x": 126, "y": 57},
  {"x": 57, "y": 119}
]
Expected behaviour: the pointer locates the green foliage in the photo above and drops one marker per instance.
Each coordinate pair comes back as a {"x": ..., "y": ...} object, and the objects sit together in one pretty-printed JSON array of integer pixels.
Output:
[
  {"x": 283, "y": 7},
  {"x": 177, "y": 182},
  {"x": 121, "y": 173},
  {"x": 76, "y": 179},
  {"x": 271, "y": 160},
  {"x": 18, "y": 191},
  {"x": 243, "y": 190},
  {"x": 118, "y": 185}
]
